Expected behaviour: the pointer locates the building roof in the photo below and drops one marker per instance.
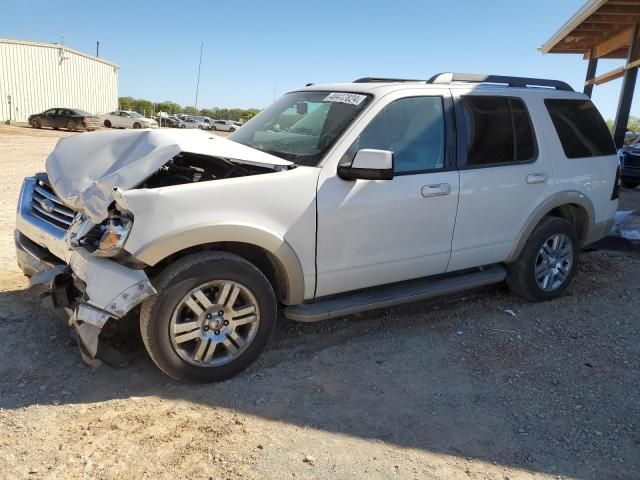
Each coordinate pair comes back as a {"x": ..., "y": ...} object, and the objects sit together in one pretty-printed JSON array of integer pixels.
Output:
[
  {"x": 600, "y": 29},
  {"x": 57, "y": 46}
]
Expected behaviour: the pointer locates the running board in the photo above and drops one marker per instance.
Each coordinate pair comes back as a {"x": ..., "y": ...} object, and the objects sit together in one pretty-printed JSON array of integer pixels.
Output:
[{"x": 383, "y": 297}]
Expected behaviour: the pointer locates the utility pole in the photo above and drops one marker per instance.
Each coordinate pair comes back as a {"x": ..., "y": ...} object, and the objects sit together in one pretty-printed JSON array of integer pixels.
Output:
[
  {"x": 97, "y": 49},
  {"x": 195, "y": 104}
]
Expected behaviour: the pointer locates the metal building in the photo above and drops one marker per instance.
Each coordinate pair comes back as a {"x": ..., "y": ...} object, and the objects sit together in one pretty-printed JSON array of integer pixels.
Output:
[{"x": 37, "y": 76}]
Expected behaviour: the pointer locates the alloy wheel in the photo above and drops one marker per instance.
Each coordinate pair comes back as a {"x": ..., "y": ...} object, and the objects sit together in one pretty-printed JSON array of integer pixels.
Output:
[
  {"x": 554, "y": 262},
  {"x": 214, "y": 323}
]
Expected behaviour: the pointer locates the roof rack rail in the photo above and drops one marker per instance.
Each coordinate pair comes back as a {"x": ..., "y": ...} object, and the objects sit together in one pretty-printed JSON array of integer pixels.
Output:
[
  {"x": 384, "y": 80},
  {"x": 445, "y": 78}
]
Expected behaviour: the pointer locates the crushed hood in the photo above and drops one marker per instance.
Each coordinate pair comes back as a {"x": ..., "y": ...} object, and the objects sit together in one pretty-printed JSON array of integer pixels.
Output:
[{"x": 83, "y": 169}]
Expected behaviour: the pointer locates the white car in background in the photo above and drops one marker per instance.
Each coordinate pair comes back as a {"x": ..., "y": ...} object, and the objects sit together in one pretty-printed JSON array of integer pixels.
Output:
[
  {"x": 224, "y": 126},
  {"x": 127, "y": 119}
]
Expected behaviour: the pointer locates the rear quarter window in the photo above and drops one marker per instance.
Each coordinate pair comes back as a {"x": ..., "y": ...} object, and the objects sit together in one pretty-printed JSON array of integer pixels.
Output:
[{"x": 581, "y": 129}]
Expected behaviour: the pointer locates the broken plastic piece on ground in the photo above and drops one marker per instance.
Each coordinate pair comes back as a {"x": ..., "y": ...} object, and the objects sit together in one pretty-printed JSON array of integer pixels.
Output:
[
  {"x": 511, "y": 312},
  {"x": 627, "y": 225}
]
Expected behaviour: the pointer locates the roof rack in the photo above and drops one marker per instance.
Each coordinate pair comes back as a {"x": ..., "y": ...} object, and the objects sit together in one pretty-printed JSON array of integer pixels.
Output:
[
  {"x": 384, "y": 80},
  {"x": 523, "y": 82}
]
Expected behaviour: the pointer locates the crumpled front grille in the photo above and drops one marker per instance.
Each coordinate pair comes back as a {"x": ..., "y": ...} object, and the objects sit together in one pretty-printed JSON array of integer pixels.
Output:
[{"x": 47, "y": 206}]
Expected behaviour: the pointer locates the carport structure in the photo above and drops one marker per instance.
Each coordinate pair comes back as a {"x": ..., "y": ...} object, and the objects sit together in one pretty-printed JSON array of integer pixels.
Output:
[{"x": 605, "y": 29}]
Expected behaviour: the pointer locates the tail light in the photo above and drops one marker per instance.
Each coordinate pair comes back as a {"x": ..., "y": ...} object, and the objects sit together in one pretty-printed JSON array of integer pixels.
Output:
[
  {"x": 85, "y": 119},
  {"x": 616, "y": 185}
]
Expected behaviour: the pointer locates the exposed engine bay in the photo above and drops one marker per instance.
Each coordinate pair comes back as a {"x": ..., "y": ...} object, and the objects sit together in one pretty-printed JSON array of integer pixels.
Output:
[{"x": 193, "y": 168}]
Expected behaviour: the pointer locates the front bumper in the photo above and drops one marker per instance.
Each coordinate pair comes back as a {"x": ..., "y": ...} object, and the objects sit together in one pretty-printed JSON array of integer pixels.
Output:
[{"x": 86, "y": 290}]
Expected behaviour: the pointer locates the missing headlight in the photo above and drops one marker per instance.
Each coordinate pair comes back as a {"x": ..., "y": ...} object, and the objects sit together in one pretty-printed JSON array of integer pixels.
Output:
[{"x": 104, "y": 240}]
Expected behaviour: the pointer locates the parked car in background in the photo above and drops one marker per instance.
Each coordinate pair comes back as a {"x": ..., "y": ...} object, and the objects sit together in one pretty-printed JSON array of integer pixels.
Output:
[
  {"x": 206, "y": 120},
  {"x": 190, "y": 122},
  {"x": 70, "y": 118},
  {"x": 171, "y": 122},
  {"x": 127, "y": 119},
  {"x": 224, "y": 126},
  {"x": 630, "y": 164}
]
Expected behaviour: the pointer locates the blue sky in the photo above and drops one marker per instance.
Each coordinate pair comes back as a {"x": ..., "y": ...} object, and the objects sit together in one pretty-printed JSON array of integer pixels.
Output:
[{"x": 252, "y": 48}]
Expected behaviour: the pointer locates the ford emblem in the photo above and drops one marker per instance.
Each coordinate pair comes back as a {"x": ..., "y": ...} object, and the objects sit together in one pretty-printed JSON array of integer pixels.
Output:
[{"x": 47, "y": 205}]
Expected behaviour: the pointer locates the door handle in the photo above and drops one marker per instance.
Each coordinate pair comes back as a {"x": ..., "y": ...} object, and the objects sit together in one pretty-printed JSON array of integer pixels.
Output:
[
  {"x": 534, "y": 178},
  {"x": 436, "y": 190}
]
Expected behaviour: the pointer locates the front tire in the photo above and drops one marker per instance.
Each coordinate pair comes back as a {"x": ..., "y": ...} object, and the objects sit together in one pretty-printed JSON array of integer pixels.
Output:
[
  {"x": 547, "y": 263},
  {"x": 136, "y": 125},
  {"x": 211, "y": 319},
  {"x": 71, "y": 126},
  {"x": 35, "y": 123},
  {"x": 107, "y": 123}
]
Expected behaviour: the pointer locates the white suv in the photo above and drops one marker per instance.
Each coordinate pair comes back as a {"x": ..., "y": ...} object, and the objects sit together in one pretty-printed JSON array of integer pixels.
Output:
[
  {"x": 224, "y": 125},
  {"x": 335, "y": 199}
]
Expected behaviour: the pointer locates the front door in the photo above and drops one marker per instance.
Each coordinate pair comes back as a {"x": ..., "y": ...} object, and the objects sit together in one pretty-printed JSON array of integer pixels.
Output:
[
  {"x": 50, "y": 118},
  {"x": 375, "y": 232}
]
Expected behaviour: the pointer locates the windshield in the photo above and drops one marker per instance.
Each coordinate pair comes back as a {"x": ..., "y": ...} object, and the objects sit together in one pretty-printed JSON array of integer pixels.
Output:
[
  {"x": 135, "y": 115},
  {"x": 301, "y": 126}
]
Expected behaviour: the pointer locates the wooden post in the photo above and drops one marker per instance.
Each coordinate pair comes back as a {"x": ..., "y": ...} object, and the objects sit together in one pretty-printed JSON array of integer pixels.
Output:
[
  {"x": 591, "y": 74},
  {"x": 628, "y": 86}
]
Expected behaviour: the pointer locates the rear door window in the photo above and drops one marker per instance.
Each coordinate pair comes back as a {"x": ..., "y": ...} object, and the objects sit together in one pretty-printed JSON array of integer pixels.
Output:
[
  {"x": 498, "y": 131},
  {"x": 581, "y": 129}
]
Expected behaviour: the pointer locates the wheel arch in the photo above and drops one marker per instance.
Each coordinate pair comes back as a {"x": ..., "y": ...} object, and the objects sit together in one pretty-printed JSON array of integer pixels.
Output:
[
  {"x": 573, "y": 206},
  {"x": 269, "y": 253}
]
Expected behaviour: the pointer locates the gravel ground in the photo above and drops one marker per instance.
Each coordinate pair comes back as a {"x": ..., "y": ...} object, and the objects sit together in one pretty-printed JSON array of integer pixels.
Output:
[{"x": 480, "y": 386}]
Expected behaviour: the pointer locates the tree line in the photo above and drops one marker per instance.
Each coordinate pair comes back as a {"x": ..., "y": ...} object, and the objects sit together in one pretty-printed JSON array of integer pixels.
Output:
[
  {"x": 633, "y": 124},
  {"x": 148, "y": 108}
]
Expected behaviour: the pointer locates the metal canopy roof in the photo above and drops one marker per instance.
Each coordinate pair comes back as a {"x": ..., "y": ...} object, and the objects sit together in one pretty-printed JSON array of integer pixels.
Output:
[{"x": 600, "y": 29}]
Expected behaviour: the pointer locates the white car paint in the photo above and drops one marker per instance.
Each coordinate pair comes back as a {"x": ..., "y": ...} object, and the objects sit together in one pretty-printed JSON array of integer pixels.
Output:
[{"x": 127, "y": 119}]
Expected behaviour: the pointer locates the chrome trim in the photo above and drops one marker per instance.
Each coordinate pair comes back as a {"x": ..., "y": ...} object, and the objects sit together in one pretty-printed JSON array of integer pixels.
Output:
[{"x": 34, "y": 227}]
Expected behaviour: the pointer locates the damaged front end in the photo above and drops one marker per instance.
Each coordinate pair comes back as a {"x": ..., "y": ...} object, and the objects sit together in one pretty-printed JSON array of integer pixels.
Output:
[
  {"x": 89, "y": 291},
  {"x": 73, "y": 222}
]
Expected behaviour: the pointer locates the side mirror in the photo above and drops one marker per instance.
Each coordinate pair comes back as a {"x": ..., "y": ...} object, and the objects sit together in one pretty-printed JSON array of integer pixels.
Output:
[{"x": 368, "y": 164}]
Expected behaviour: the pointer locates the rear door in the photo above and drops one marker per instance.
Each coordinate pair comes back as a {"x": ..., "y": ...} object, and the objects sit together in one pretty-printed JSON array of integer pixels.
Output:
[{"x": 504, "y": 176}]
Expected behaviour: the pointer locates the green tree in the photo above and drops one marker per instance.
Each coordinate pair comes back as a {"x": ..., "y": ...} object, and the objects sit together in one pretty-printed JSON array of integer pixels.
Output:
[{"x": 633, "y": 124}]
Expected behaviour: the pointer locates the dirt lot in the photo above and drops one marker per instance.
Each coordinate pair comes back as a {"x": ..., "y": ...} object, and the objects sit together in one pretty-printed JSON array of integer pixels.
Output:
[{"x": 454, "y": 388}]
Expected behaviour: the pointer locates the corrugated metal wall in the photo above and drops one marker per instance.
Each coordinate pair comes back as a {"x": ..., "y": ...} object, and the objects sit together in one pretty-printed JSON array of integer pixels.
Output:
[{"x": 42, "y": 76}]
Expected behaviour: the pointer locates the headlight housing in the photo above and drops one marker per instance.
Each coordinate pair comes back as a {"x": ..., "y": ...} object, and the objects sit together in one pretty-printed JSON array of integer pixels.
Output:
[{"x": 104, "y": 240}]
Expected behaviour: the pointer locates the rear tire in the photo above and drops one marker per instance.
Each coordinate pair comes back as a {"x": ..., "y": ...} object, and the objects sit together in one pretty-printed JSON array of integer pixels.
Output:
[
  {"x": 632, "y": 184},
  {"x": 191, "y": 296},
  {"x": 107, "y": 123},
  {"x": 71, "y": 126},
  {"x": 542, "y": 271},
  {"x": 136, "y": 125}
]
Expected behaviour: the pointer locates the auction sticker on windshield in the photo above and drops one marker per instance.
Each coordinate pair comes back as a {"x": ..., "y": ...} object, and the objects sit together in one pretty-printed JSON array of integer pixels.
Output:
[{"x": 340, "y": 97}]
